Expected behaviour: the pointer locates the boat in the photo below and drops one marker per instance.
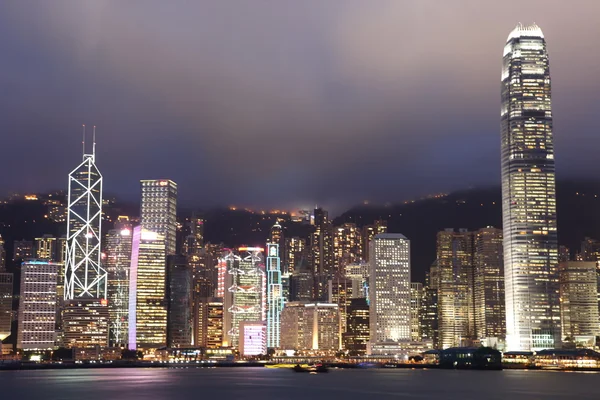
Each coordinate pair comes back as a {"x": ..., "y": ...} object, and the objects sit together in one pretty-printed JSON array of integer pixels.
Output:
[
  {"x": 317, "y": 368},
  {"x": 285, "y": 366}
]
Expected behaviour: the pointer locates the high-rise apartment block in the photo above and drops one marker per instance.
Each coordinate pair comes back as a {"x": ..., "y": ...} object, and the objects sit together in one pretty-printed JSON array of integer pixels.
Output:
[
  {"x": 347, "y": 246},
  {"x": 147, "y": 285},
  {"x": 159, "y": 210},
  {"x": 37, "y": 305},
  {"x": 389, "y": 288},
  {"x": 529, "y": 194}
]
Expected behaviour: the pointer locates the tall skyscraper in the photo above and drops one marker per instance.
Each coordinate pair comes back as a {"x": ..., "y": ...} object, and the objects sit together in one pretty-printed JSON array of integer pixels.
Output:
[
  {"x": 179, "y": 302},
  {"x": 455, "y": 287},
  {"x": 37, "y": 306},
  {"x": 208, "y": 322},
  {"x": 295, "y": 249},
  {"x": 159, "y": 210},
  {"x": 2, "y": 254},
  {"x": 321, "y": 254},
  {"x": 245, "y": 293},
  {"x": 369, "y": 232},
  {"x": 310, "y": 326},
  {"x": 356, "y": 337},
  {"x": 118, "y": 262},
  {"x": 490, "y": 317},
  {"x": 85, "y": 277},
  {"x": 389, "y": 288},
  {"x": 48, "y": 247},
  {"x": 579, "y": 301},
  {"x": 194, "y": 241},
  {"x": 429, "y": 304},
  {"x": 147, "y": 285},
  {"x": 528, "y": 194},
  {"x": 6, "y": 298},
  {"x": 274, "y": 295}
]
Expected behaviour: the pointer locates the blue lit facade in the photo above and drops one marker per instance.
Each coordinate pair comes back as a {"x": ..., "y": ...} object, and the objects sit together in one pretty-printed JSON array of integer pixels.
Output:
[{"x": 274, "y": 295}]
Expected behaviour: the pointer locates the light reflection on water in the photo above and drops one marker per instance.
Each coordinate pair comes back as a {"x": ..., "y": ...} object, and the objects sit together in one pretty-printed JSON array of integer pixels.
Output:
[{"x": 259, "y": 383}]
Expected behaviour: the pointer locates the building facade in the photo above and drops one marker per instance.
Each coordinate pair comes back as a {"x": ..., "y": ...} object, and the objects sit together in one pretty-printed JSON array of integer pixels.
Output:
[
  {"x": 389, "y": 288},
  {"x": 117, "y": 262},
  {"x": 275, "y": 298},
  {"x": 159, "y": 210},
  {"x": 6, "y": 299},
  {"x": 310, "y": 326},
  {"x": 579, "y": 300},
  {"x": 356, "y": 337},
  {"x": 85, "y": 323},
  {"x": 490, "y": 317},
  {"x": 37, "y": 305},
  {"x": 208, "y": 322},
  {"x": 179, "y": 302},
  {"x": 416, "y": 296},
  {"x": 147, "y": 286}
]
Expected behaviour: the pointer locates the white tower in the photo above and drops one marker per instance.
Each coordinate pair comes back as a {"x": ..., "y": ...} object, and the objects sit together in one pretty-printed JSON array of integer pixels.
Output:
[{"x": 84, "y": 275}]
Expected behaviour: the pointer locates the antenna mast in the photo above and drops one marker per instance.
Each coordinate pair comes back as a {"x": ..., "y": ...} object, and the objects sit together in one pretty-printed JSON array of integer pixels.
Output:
[
  {"x": 83, "y": 141},
  {"x": 94, "y": 144}
]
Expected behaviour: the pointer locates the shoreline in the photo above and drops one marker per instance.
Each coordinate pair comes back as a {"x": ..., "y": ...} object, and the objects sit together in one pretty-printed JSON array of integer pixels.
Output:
[{"x": 34, "y": 366}]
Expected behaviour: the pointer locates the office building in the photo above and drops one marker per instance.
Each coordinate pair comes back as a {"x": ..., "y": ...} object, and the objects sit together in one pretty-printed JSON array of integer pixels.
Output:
[
  {"x": 208, "y": 322},
  {"x": 416, "y": 296},
  {"x": 310, "y": 326},
  {"x": 245, "y": 297},
  {"x": 339, "y": 291},
  {"x": 2, "y": 254},
  {"x": 455, "y": 288},
  {"x": 357, "y": 333},
  {"x": 302, "y": 282},
  {"x": 347, "y": 246},
  {"x": 490, "y": 317},
  {"x": 295, "y": 250},
  {"x": 429, "y": 307},
  {"x": 147, "y": 285},
  {"x": 358, "y": 273},
  {"x": 50, "y": 248},
  {"x": 275, "y": 298},
  {"x": 6, "y": 298},
  {"x": 117, "y": 263},
  {"x": 194, "y": 241},
  {"x": 85, "y": 276},
  {"x": 85, "y": 323},
  {"x": 159, "y": 210},
  {"x": 369, "y": 232},
  {"x": 529, "y": 194},
  {"x": 37, "y": 305},
  {"x": 579, "y": 301},
  {"x": 590, "y": 250},
  {"x": 253, "y": 338},
  {"x": 321, "y": 253},
  {"x": 179, "y": 302},
  {"x": 389, "y": 288},
  {"x": 22, "y": 250}
]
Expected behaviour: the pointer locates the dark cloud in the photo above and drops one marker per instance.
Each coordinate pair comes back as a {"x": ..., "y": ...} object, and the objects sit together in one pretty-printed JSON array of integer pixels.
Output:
[{"x": 281, "y": 103}]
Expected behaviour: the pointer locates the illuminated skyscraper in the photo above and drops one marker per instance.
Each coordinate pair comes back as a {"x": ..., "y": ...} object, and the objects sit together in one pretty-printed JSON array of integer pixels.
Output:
[
  {"x": 455, "y": 288},
  {"x": 356, "y": 337},
  {"x": 369, "y": 232},
  {"x": 49, "y": 247},
  {"x": 358, "y": 273},
  {"x": 490, "y": 317},
  {"x": 429, "y": 307},
  {"x": 85, "y": 323},
  {"x": 194, "y": 242},
  {"x": 37, "y": 305},
  {"x": 118, "y": 262},
  {"x": 321, "y": 253},
  {"x": 84, "y": 275},
  {"x": 310, "y": 326},
  {"x": 208, "y": 322},
  {"x": 245, "y": 295},
  {"x": 147, "y": 285},
  {"x": 159, "y": 210},
  {"x": 528, "y": 194},
  {"x": 6, "y": 298},
  {"x": 274, "y": 295},
  {"x": 2, "y": 254},
  {"x": 389, "y": 288}
]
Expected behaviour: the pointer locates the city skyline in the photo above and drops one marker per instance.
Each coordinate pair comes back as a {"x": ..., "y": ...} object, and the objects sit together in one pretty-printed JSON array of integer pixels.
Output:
[{"x": 360, "y": 87}]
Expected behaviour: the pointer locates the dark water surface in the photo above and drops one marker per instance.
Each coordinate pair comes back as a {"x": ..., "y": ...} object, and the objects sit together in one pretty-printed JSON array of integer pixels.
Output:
[{"x": 259, "y": 383}]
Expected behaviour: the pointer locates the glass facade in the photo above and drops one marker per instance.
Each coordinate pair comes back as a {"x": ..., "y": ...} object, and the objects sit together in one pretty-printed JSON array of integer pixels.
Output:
[
  {"x": 159, "y": 210},
  {"x": 528, "y": 194},
  {"x": 274, "y": 295},
  {"x": 147, "y": 285}
]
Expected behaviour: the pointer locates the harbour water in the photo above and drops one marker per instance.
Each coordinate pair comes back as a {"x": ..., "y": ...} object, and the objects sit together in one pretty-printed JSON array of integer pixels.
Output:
[{"x": 261, "y": 383}]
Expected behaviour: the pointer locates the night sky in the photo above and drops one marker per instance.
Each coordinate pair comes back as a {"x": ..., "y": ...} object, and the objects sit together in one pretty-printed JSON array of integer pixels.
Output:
[{"x": 282, "y": 103}]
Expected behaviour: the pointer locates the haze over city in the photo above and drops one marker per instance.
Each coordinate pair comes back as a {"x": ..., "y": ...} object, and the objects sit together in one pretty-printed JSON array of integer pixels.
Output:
[{"x": 282, "y": 103}]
